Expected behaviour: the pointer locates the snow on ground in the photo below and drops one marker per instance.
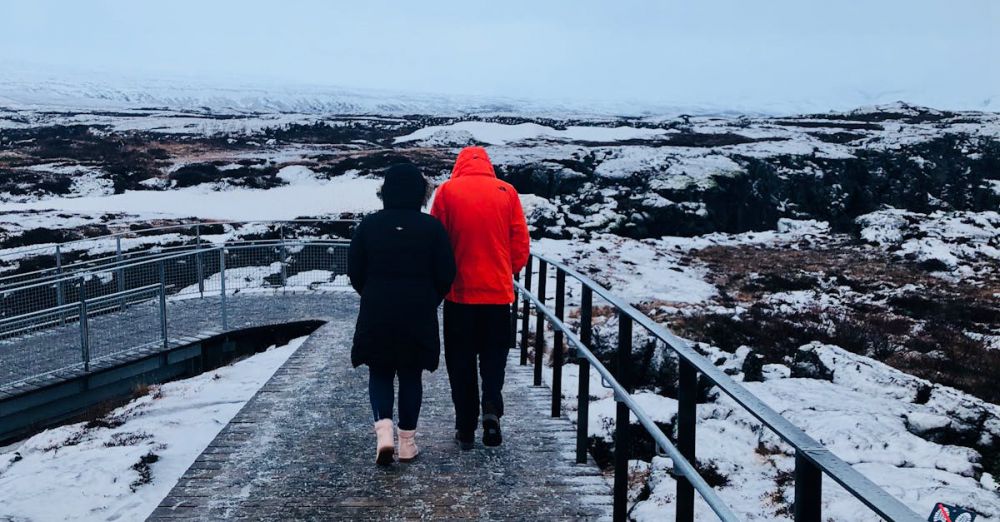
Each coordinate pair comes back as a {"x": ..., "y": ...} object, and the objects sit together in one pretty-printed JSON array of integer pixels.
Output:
[
  {"x": 83, "y": 472},
  {"x": 950, "y": 238},
  {"x": 255, "y": 279},
  {"x": 302, "y": 197},
  {"x": 870, "y": 419},
  {"x": 637, "y": 270},
  {"x": 696, "y": 171},
  {"x": 869, "y": 414}
]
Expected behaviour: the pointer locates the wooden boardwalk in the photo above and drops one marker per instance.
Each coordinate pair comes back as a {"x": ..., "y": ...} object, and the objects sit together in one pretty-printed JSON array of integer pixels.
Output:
[{"x": 303, "y": 448}]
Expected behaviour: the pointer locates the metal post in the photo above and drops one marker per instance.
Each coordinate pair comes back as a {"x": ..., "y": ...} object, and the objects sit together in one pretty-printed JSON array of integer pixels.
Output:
[
  {"x": 513, "y": 317},
  {"x": 199, "y": 263},
  {"x": 120, "y": 273},
  {"x": 283, "y": 257},
  {"x": 81, "y": 293},
  {"x": 620, "y": 510},
  {"x": 540, "y": 324},
  {"x": 687, "y": 415},
  {"x": 583, "y": 387},
  {"x": 119, "y": 259},
  {"x": 222, "y": 286},
  {"x": 163, "y": 312},
  {"x": 526, "y": 314},
  {"x": 60, "y": 298},
  {"x": 557, "y": 345},
  {"x": 84, "y": 336},
  {"x": 808, "y": 490}
]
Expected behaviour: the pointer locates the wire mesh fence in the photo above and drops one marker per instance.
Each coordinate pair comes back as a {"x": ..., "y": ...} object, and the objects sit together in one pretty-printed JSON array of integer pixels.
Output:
[
  {"x": 134, "y": 302},
  {"x": 123, "y": 322}
]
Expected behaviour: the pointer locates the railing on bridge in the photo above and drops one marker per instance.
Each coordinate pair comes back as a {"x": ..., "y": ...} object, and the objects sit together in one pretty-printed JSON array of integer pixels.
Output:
[
  {"x": 812, "y": 459},
  {"x": 59, "y": 317}
]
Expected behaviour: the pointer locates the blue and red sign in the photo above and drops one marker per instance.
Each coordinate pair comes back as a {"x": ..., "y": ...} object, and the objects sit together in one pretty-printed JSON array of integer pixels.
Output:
[{"x": 946, "y": 513}]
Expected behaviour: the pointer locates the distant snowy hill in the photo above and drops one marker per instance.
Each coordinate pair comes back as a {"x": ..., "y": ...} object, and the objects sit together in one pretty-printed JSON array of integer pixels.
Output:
[
  {"x": 35, "y": 90},
  {"x": 29, "y": 88}
]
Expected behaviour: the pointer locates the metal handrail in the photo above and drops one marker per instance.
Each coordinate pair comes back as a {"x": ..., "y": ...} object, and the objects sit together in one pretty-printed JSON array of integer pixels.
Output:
[
  {"x": 38, "y": 307},
  {"x": 812, "y": 458},
  {"x": 165, "y": 256},
  {"x": 622, "y": 395},
  {"x": 59, "y": 269},
  {"x": 74, "y": 306}
]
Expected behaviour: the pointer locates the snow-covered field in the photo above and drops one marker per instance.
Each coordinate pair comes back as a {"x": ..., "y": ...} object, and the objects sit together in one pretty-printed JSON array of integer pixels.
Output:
[
  {"x": 303, "y": 194},
  {"x": 119, "y": 466}
]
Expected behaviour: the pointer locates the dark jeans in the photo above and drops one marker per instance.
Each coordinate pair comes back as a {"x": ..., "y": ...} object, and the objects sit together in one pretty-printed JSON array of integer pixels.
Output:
[
  {"x": 380, "y": 386},
  {"x": 476, "y": 333}
]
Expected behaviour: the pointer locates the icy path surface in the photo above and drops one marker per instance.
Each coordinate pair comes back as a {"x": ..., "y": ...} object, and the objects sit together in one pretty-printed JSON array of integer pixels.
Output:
[
  {"x": 303, "y": 449},
  {"x": 120, "y": 466}
]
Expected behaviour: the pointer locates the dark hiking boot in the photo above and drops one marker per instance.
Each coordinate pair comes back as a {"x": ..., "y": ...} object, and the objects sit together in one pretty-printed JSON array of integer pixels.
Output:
[
  {"x": 465, "y": 440},
  {"x": 491, "y": 430}
]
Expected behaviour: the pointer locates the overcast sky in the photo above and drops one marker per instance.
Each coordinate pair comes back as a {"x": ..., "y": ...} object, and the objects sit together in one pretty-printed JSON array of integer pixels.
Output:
[{"x": 944, "y": 53}]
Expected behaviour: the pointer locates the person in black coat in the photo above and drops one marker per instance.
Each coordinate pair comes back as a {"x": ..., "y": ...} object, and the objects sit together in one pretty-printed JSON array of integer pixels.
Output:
[{"x": 401, "y": 263}]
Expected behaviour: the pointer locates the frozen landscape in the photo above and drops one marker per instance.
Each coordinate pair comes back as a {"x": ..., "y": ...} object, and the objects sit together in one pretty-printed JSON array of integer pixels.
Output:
[{"x": 845, "y": 266}]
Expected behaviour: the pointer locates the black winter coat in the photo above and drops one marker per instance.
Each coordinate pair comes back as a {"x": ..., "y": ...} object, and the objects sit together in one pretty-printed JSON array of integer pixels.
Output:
[{"x": 401, "y": 263}]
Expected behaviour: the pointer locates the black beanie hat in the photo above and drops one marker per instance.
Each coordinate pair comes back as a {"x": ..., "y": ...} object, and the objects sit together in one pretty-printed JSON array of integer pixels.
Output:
[{"x": 404, "y": 187}]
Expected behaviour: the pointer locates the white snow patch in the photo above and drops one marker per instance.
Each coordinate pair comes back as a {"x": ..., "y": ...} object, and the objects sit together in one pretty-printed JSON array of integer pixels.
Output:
[
  {"x": 303, "y": 196},
  {"x": 695, "y": 171},
  {"x": 862, "y": 416},
  {"x": 802, "y": 226},
  {"x": 635, "y": 269},
  {"x": 76, "y": 473},
  {"x": 953, "y": 238}
]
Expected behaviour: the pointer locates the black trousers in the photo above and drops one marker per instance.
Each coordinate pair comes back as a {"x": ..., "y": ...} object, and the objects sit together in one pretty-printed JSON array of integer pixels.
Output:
[
  {"x": 380, "y": 386},
  {"x": 476, "y": 334}
]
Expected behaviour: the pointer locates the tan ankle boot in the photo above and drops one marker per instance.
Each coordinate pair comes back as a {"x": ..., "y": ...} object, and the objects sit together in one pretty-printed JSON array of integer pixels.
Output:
[
  {"x": 384, "y": 445},
  {"x": 408, "y": 449}
]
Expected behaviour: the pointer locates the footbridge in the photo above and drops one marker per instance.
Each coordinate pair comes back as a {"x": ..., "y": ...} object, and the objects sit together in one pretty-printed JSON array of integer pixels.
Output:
[{"x": 83, "y": 321}]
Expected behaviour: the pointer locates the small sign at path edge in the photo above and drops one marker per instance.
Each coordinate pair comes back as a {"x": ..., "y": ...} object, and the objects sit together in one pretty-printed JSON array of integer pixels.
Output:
[{"x": 946, "y": 513}]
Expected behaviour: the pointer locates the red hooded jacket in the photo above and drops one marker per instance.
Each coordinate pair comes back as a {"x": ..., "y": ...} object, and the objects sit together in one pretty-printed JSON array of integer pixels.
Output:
[{"x": 486, "y": 225}]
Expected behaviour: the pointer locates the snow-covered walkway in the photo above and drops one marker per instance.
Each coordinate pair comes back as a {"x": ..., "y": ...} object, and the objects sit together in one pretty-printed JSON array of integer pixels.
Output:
[{"x": 302, "y": 448}]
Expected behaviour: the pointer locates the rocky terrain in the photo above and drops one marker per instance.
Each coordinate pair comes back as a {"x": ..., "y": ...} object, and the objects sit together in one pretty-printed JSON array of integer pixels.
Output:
[{"x": 813, "y": 256}]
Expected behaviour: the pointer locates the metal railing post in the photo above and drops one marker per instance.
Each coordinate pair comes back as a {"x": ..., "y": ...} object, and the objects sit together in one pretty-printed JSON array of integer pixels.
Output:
[
  {"x": 622, "y": 413},
  {"x": 557, "y": 345},
  {"x": 84, "y": 336},
  {"x": 540, "y": 324},
  {"x": 687, "y": 415},
  {"x": 583, "y": 386},
  {"x": 526, "y": 314},
  {"x": 163, "y": 313},
  {"x": 199, "y": 263},
  {"x": 120, "y": 273},
  {"x": 81, "y": 292},
  {"x": 222, "y": 286},
  {"x": 60, "y": 298},
  {"x": 808, "y": 490},
  {"x": 513, "y": 317},
  {"x": 119, "y": 259},
  {"x": 283, "y": 256}
]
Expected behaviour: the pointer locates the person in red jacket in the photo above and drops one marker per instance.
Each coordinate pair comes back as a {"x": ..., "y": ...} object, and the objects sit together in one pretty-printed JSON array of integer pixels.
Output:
[{"x": 489, "y": 236}]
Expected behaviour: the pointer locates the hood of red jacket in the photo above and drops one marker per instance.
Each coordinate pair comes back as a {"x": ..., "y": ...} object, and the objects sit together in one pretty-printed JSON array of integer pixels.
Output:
[{"x": 473, "y": 161}]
